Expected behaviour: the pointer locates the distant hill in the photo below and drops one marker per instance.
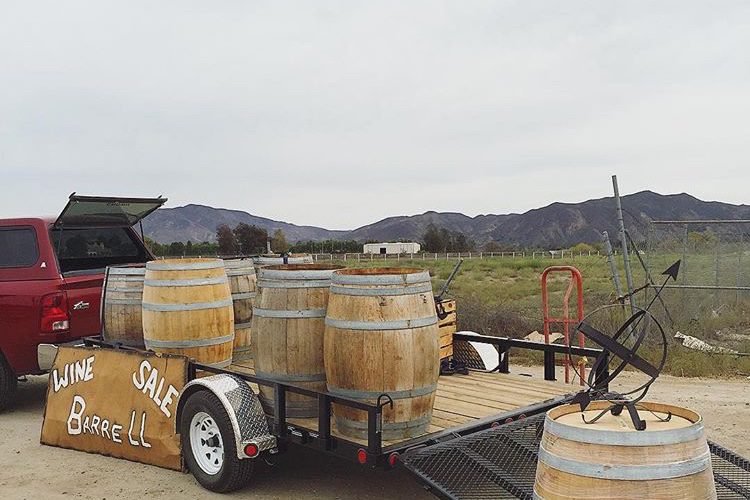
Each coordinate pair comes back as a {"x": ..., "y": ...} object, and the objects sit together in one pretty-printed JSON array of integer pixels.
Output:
[
  {"x": 558, "y": 225},
  {"x": 198, "y": 223}
]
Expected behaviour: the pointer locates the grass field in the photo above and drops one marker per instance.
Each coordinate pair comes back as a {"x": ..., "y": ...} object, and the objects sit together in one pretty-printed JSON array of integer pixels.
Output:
[{"x": 502, "y": 296}]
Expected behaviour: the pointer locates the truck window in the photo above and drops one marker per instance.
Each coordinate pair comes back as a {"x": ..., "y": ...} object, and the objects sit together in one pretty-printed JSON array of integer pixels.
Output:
[
  {"x": 96, "y": 248},
  {"x": 18, "y": 247}
]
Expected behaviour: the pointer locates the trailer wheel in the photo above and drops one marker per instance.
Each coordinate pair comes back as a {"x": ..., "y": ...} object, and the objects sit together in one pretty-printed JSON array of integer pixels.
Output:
[
  {"x": 208, "y": 445},
  {"x": 8, "y": 383}
]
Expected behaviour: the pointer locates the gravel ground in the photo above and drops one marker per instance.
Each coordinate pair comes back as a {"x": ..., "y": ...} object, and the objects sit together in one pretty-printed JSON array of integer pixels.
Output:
[{"x": 30, "y": 470}]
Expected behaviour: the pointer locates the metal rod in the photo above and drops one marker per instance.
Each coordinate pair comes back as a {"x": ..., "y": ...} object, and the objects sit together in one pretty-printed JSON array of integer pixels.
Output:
[
  {"x": 612, "y": 264},
  {"x": 625, "y": 255},
  {"x": 708, "y": 287}
]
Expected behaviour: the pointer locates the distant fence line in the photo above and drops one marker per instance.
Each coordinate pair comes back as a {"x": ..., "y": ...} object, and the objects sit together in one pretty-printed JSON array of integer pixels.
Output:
[{"x": 533, "y": 254}]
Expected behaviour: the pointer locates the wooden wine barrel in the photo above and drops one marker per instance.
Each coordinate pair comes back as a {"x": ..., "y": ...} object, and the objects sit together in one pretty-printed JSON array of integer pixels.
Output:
[
  {"x": 288, "y": 326},
  {"x": 187, "y": 309},
  {"x": 276, "y": 260},
  {"x": 609, "y": 459},
  {"x": 242, "y": 283},
  {"x": 122, "y": 295},
  {"x": 381, "y": 336}
]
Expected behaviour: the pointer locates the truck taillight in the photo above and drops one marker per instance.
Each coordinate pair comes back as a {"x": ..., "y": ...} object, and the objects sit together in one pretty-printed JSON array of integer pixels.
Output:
[{"x": 55, "y": 317}]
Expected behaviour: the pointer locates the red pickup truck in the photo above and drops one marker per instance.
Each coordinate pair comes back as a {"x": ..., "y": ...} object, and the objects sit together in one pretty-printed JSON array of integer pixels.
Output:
[{"x": 51, "y": 275}]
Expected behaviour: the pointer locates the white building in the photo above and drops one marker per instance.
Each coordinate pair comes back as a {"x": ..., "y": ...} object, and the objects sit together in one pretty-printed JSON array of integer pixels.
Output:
[{"x": 391, "y": 248}]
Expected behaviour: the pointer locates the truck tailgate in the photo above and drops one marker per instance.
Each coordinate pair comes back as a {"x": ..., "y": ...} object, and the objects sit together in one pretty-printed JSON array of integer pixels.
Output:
[{"x": 501, "y": 463}]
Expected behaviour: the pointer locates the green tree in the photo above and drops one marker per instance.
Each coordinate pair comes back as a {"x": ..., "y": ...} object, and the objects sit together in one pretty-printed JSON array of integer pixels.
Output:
[
  {"x": 227, "y": 241},
  {"x": 250, "y": 239},
  {"x": 433, "y": 239},
  {"x": 278, "y": 242},
  {"x": 176, "y": 248}
]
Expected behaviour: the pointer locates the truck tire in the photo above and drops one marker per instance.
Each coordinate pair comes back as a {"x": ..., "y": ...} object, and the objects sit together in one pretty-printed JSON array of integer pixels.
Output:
[
  {"x": 8, "y": 384},
  {"x": 208, "y": 445}
]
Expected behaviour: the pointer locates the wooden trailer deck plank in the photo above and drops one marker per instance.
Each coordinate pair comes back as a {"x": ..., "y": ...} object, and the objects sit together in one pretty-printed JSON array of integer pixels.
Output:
[{"x": 460, "y": 398}]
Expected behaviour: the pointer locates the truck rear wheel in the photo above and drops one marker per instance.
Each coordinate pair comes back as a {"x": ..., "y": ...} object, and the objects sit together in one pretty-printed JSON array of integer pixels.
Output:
[
  {"x": 208, "y": 445},
  {"x": 8, "y": 383}
]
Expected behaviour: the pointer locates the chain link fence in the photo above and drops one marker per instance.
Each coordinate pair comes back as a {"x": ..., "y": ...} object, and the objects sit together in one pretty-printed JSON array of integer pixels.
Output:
[{"x": 710, "y": 299}]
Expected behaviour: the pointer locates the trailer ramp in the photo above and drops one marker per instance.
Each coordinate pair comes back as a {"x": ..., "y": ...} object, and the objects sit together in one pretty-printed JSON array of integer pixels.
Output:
[{"x": 500, "y": 463}]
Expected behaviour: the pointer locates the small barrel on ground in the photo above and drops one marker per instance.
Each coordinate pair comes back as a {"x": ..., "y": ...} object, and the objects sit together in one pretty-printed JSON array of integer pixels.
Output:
[{"x": 610, "y": 459}]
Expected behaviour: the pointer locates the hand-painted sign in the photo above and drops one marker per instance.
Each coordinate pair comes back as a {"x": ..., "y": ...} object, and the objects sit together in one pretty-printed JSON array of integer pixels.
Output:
[{"x": 117, "y": 403}]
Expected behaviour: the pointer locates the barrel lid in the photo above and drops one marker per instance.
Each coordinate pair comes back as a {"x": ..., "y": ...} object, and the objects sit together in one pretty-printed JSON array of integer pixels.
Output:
[
  {"x": 622, "y": 422},
  {"x": 381, "y": 276},
  {"x": 665, "y": 424},
  {"x": 184, "y": 264},
  {"x": 298, "y": 271},
  {"x": 128, "y": 269}
]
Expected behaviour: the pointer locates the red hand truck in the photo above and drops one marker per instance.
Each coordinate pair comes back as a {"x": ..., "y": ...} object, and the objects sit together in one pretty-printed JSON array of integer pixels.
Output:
[{"x": 577, "y": 280}]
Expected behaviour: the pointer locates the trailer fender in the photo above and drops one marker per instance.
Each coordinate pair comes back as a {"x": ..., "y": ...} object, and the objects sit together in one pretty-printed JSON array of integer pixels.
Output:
[{"x": 242, "y": 405}]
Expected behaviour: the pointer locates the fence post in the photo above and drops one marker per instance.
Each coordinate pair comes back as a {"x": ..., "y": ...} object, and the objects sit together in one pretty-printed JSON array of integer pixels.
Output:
[{"x": 739, "y": 268}]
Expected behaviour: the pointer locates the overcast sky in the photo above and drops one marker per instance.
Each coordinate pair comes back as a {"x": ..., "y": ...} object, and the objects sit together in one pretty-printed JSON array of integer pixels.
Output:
[{"x": 338, "y": 114}]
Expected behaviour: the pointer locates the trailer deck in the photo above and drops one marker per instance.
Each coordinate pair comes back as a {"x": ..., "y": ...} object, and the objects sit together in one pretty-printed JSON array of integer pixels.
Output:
[{"x": 460, "y": 399}]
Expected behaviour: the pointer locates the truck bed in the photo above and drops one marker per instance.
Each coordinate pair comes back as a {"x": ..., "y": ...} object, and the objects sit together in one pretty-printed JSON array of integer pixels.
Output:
[{"x": 462, "y": 399}]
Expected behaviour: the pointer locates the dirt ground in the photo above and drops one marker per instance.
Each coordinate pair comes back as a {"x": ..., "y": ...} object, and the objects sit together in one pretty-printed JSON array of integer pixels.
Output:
[{"x": 29, "y": 470}]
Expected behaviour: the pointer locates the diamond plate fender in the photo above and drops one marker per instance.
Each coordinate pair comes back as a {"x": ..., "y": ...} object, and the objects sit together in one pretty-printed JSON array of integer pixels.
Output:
[{"x": 242, "y": 405}]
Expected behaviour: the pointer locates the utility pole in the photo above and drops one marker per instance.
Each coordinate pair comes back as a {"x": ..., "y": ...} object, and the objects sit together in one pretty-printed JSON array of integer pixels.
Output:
[{"x": 624, "y": 239}]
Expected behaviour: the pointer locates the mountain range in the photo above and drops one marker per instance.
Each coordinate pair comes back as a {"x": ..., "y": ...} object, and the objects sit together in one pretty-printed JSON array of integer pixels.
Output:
[{"x": 557, "y": 225}]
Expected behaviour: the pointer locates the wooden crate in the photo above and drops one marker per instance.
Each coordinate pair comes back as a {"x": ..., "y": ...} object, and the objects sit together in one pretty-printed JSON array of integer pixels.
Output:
[{"x": 447, "y": 327}]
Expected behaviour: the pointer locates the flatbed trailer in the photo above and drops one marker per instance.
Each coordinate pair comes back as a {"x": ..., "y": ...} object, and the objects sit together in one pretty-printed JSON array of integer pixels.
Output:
[{"x": 474, "y": 412}]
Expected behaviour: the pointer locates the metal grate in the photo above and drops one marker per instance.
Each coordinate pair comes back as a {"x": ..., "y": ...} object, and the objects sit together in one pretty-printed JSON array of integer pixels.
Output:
[{"x": 501, "y": 463}]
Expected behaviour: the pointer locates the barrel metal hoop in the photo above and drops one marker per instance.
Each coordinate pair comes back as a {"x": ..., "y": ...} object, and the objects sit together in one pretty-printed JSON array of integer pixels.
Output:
[
  {"x": 275, "y": 313},
  {"x": 122, "y": 302},
  {"x": 381, "y": 279},
  {"x": 381, "y": 292},
  {"x": 651, "y": 438},
  {"x": 242, "y": 326},
  {"x": 381, "y": 325},
  {"x": 187, "y": 307},
  {"x": 219, "y": 280},
  {"x": 127, "y": 271},
  {"x": 122, "y": 279},
  {"x": 244, "y": 295},
  {"x": 409, "y": 393},
  {"x": 220, "y": 364},
  {"x": 301, "y": 275},
  {"x": 286, "y": 377},
  {"x": 125, "y": 289},
  {"x": 387, "y": 426},
  {"x": 280, "y": 260},
  {"x": 173, "y": 344},
  {"x": 244, "y": 272},
  {"x": 627, "y": 472},
  {"x": 263, "y": 283},
  {"x": 160, "y": 266}
]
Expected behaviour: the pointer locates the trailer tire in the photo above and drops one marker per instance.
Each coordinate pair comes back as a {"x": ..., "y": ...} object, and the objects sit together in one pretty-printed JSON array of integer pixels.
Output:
[
  {"x": 231, "y": 473},
  {"x": 8, "y": 383}
]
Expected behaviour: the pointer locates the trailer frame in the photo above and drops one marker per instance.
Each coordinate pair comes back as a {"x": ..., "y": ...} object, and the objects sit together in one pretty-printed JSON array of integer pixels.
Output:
[{"x": 374, "y": 453}]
